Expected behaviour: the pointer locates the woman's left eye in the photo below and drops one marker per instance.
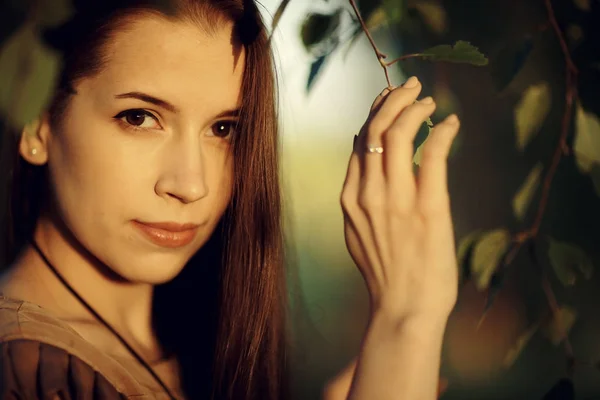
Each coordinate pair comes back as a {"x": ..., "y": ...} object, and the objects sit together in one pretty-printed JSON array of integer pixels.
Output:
[
  {"x": 224, "y": 129},
  {"x": 138, "y": 119}
]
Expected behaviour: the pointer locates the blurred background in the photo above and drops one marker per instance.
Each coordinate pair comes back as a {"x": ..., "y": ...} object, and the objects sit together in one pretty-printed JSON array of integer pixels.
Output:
[{"x": 524, "y": 177}]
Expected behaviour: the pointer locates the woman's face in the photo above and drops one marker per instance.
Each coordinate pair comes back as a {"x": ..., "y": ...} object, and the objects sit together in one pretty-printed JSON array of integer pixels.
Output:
[{"x": 146, "y": 141}]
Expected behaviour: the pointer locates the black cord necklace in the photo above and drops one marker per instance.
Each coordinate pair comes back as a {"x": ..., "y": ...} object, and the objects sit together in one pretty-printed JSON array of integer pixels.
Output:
[{"x": 102, "y": 321}]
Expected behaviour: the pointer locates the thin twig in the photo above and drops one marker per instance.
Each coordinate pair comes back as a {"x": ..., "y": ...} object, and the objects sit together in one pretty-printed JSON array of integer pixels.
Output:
[
  {"x": 402, "y": 58},
  {"x": 380, "y": 56},
  {"x": 561, "y": 37}
]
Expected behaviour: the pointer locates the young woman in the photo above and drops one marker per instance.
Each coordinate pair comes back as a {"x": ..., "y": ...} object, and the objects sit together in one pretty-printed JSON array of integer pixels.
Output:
[{"x": 144, "y": 247}]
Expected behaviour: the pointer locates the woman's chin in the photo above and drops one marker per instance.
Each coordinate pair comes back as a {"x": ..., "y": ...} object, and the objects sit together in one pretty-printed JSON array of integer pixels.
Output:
[{"x": 152, "y": 273}]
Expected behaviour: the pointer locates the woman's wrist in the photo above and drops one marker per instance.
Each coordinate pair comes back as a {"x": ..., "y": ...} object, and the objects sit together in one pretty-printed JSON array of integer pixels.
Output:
[
  {"x": 422, "y": 324},
  {"x": 400, "y": 357}
]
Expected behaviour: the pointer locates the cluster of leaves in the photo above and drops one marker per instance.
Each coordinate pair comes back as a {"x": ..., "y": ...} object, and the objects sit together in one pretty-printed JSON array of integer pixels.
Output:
[
  {"x": 485, "y": 256},
  {"x": 28, "y": 67}
]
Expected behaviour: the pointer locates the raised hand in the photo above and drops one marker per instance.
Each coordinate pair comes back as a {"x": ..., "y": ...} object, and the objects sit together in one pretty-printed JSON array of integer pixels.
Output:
[
  {"x": 398, "y": 226},
  {"x": 399, "y": 232}
]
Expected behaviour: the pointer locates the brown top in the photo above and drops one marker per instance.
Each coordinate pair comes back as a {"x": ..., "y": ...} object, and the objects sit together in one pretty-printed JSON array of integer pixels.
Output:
[{"x": 43, "y": 357}]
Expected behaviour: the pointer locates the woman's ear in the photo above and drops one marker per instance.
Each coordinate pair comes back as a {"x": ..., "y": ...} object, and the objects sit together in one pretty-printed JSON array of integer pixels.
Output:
[{"x": 33, "y": 145}]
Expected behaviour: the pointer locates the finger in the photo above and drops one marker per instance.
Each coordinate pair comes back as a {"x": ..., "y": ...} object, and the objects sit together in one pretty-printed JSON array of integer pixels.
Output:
[
  {"x": 358, "y": 252},
  {"x": 357, "y": 229},
  {"x": 372, "y": 185},
  {"x": 361, "y": 143},
  {"x": 390, "y": 107},
  {"x": 398, "y": 143},
  {"x": 378, "y": 100},
  {"x": 433, "y": 173}
]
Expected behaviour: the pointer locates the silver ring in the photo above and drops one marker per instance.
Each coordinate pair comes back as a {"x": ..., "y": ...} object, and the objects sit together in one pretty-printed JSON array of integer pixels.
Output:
[{"x": 375, "y": 149}]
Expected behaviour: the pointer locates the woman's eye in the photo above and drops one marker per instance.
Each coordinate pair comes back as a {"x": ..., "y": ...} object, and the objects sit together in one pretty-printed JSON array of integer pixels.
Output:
[
  {"x": 139, "y": 119},
  {"x": 224, "y": 129}
]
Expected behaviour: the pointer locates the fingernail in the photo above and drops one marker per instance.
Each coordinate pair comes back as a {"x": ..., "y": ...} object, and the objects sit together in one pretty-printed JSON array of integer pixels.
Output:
[
  {"x": 385, "y": 91},
  {"x": 427, "y": 100},
  {"x": 452, "y": 119},
  {"x": 411, "y": 82}
]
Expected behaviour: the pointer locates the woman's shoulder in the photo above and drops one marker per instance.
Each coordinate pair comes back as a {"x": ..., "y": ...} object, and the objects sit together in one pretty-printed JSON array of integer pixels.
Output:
[
  {"x": 22, "y": 319},
  {"x": 40, "y": 353},
  {"x": 31, "y": 369}
]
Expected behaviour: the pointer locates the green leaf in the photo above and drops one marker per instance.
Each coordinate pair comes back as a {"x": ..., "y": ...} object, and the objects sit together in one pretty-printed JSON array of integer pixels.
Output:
[
  {"x": 368, "y": 7},
  {"x": 420, "y": 140},
  {"x": 517, "y": 348},
  {"x": 461, "y": 52},
  {"x": 487, "y": 254},
  {"x": 277, "y": 17},
  {"x": 28, "y": 72},
  {"x": 433, "y": 15},
  {"x": 568, "y": 260},
  {"x": 559, "y": 325},
  {"x": 586, "y": 145},
  {"x": 395, "y": 10},
  {"x": 317, "y": 27},
  {"x": 522, "y": 199},
  {"x": 419, "y": 152},
  {"x": 377, "y": 19},
  {"x": 314, "y": 71},
  {"x": 495, "y": 285},
  {"x": 531, "y": 112},
  {"x": 510, "y": 60},
  {"x": 575, "y": 34},
  {"x": 464, "y": 252}
]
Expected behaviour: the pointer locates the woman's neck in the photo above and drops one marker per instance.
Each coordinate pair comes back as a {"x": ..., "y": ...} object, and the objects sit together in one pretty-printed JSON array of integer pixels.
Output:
[{"x": 126, "y": 306}]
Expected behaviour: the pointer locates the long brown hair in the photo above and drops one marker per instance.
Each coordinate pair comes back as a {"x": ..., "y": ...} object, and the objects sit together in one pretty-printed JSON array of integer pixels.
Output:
[{"x": 224, "y": 315}]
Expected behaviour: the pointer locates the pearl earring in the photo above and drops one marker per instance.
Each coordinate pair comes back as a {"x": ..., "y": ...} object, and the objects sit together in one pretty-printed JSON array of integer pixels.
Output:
[{"x": 34, "y": 151}]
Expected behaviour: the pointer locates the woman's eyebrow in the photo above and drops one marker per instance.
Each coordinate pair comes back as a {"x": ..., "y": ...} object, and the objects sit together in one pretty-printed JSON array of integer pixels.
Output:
[
  {"x": 148, "y": 99},
  {"x": 229, "y": 113},
  {"x": 234, "y": 113}
]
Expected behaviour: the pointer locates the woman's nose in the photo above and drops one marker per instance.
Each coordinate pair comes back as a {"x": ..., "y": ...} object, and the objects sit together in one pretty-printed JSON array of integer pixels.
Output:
[{"x": 183, "y": 175}]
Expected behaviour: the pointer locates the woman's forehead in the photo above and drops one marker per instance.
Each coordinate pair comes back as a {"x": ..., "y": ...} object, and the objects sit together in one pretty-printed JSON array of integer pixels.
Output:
[{"x": 174, "y": 59}]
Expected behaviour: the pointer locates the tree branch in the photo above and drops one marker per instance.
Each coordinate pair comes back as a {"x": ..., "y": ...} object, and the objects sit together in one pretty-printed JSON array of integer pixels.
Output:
[
  {"x": 380, "y": 56},
  {"x": 561, "y": 38},
  {"x": 561, "y": 149}
]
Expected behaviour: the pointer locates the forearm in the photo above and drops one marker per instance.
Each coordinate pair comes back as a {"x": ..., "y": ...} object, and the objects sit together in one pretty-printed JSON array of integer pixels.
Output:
[{"x": 399, "y": 360}]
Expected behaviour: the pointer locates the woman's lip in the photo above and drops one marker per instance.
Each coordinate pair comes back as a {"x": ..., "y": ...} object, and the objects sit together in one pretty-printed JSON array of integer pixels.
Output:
[
  {"x": 168, "y": 234},
  {"x": 170, "y": 226}
]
